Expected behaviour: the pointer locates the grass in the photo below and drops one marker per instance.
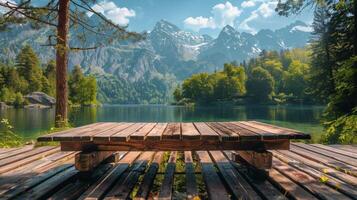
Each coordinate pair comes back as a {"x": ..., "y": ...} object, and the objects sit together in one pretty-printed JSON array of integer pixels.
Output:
[{"x": 9, "y": 139}]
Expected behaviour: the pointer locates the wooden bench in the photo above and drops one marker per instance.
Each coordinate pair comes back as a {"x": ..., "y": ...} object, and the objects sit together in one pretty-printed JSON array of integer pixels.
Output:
[
  {"x": 251, "y": 139},
  {"x": 295, "y": 174}
]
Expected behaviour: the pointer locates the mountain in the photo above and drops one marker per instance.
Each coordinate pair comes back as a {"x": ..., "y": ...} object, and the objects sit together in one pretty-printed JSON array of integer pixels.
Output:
[{"x": 147, "y": 71}]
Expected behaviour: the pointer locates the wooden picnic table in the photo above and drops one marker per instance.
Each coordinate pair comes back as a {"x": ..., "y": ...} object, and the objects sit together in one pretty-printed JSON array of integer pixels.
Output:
[{"x": 99, "y": 140}]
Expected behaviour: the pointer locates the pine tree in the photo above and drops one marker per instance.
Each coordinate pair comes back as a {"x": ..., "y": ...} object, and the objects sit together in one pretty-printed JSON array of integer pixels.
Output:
[
  {"x": 28, "y": 66},
  {"x": 322, "y": 69}
]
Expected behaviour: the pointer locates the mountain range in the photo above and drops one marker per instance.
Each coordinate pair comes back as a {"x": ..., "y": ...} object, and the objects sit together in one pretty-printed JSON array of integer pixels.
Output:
[{"x": 147, "y": 71}]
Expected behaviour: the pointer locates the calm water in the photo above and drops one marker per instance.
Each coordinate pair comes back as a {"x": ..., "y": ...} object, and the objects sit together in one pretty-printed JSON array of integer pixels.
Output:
[{"x": 29, "y": 123}]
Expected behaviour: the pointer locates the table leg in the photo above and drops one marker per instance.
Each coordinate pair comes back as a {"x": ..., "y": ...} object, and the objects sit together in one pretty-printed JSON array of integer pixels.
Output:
[
  {"x": 258, "y": 162},
  {"x": 87, "y": 161}
]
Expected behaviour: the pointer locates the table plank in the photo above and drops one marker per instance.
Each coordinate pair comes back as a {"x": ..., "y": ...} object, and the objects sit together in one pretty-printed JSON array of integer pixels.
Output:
[
  {"x": 189, "y": 132},
  {"x": 105, "y": 135},
  {"x": 207, "y": 133},
  {"x": 124, "y": 134},
  {"x": 226, "y": 134},
  {"x": 141, "y": 133},
  {"x": 244, "y": 134},
  {"x": 156, "y": 132},
  {"x": 172, "y": 132},
  {"x": 294, "y": 134},
  {"x": 265, "y": 135},
  {"x": 60, "y": 134}
]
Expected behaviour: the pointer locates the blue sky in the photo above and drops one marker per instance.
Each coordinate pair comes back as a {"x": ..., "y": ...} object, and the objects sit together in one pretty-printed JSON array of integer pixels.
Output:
[{"x": 202, "y": 16}]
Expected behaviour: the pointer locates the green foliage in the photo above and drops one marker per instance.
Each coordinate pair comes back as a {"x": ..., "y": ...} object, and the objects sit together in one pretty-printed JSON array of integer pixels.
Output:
[
  {"x": 343, "y": 130},
  {"x": 50, "y": 74},
  {"x": 207, "y": 88},
  {"x": 28, "y": 66},
  {"x": 19, "y": 100},
  {"x": 7, "y": 95},
  {"x": 82, "y": 89},
  {"x": 178, "y": 94},
  {"x": 199, "y": 88},
  {"x": 260, "y": 86},
  {"x": 333, "y": 72},
  {"x": 27, "y": 76},
  {"x": 295, "y": 79},
  {"x": 7, "y": 136}
]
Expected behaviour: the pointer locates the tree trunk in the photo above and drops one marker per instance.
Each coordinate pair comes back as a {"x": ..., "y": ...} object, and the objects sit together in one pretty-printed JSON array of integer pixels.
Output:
[
  {"x": 355, "y": 28},
  {"x": 61, "y": 63}
]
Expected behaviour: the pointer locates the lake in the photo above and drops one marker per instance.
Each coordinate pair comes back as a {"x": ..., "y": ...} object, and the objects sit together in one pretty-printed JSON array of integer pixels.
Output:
[{"x": 30, "y": 123}]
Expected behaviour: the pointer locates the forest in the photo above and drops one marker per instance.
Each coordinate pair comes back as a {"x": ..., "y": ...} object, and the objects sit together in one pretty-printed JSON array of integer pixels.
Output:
[
  {"x": 325, "y": 72},
  {"x": 28, "y": 75},
  {"x": 270, "y": 78}
]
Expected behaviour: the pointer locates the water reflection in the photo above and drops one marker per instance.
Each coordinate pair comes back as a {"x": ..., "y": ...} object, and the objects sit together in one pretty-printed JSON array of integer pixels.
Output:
[{"x": 29, "y": 122}]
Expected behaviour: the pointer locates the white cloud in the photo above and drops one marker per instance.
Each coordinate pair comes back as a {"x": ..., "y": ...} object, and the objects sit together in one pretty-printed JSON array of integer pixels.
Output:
[
  {"x": 198, "y": 23},
  {"x": 116, "y": 14},
  {"x": 223, "y": 14},
  {"x": 247, "y": 4},
  {"x": 265, "y": 10}
]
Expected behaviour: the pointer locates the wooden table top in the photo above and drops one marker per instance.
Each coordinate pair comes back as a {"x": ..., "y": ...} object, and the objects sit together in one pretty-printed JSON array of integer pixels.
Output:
[{"x": 208, "y": 131}]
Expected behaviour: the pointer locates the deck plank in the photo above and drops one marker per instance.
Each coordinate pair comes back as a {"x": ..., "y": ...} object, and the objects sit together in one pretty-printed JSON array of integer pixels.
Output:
[
  {"x": 328, "y": 152},
  {"x": 191, "y": 185},
  {"x": 318, "y": 166},
  {"x": 308, "y": 182},
  {"x": 263, "y": 187},
  {"x": 239, "y": 187},
  {"x": 189, "y": 132},
  {"x": 336, "y": 156},
  {"x": 165, "y": 192},
  {"x": 214, "y": 186},
  {"x": 291, "y": 188},
  {"x": 74, "y": 188},
  {"x": 20, "y": 160},
  {"x": 16, "y": 152},
  {"x": 335, "y": 150},
  {"x": 327, "y": 179},
  {"x": 350, "y": 148},
  {"x": 49, "y": 185},
  {"x": 149, "y": 177},
  {"x": 122, "y": 189},
  {"x": 326, "y": 160},
  {"x": 104, "y": 184}
]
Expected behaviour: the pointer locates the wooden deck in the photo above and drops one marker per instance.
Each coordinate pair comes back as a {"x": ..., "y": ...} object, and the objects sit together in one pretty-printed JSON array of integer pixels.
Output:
[
  {"x": 247, "y": 135},
  {"x": 304, "y": 172}
]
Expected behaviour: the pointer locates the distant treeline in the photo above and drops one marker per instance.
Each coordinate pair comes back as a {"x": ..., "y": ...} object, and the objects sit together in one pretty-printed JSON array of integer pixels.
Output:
[
  {"x": 273, "y": 77},
  {"x": 27, "y": 75}
]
